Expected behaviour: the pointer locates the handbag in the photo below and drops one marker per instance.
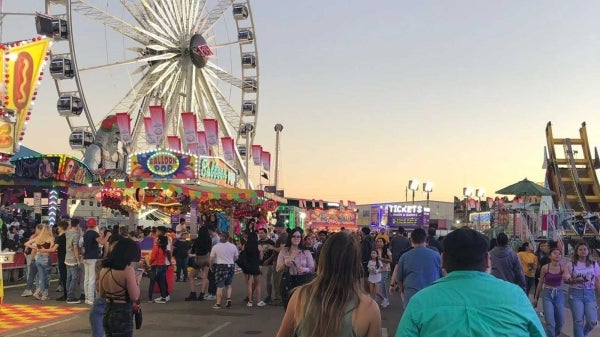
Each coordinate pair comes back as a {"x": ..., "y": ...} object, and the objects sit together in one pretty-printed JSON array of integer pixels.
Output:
[{"x": 137, "y": 315}]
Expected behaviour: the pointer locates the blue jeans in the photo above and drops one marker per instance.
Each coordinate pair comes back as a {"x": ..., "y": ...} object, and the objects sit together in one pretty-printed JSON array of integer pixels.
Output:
[
  {"x": 182, "y": 265},
  {"x": 553, "y": 302},
  {"x": 384, "y": 289},
  {"x": 44, "y": 266},
  {"x": 72, "y": 275},
  {"x": 96, "y": 315},
  {"x": 584, "y": 310},
  {"x": 31, "y": 275},
  {"x": 160, "y": 276}
]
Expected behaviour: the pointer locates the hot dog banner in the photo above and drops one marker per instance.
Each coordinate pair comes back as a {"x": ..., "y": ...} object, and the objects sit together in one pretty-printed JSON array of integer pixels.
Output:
[
  {"x": 21, "y": 71},
  {"x": 163, "y": 164}
]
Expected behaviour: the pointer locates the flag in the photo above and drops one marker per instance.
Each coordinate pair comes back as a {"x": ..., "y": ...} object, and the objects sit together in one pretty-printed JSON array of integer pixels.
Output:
[
  {"x": 265, "y": 158},
  {"x": 124, "y": 125},
  {"x": 341, "y": 204},
  {"x": 211, "y": 127},
  {"x": 202, "y": 144},
  {"x": 256, "y": 154},
  {"x": 157, "y": 115},
  {"x": 174, "y": 143},
  {"x": 302, "y": 203},
  {"x": 150, "y": 137},
  {"x": 190, "y": 129},
  {"x": 228, "y": 148},
  {"x": 490, "y": 202},
  {"x": 320, "y": 203}
]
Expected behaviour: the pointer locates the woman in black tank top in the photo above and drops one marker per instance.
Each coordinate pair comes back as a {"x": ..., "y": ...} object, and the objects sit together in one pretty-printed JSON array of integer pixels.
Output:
[{"x": 118, "y": 285}]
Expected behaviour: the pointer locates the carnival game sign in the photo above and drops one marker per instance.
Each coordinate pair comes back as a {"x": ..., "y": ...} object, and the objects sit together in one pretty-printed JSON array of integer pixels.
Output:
[
  {"x": 53, "y": 167},
  {"x": 216, "y": 171},
  {"x": 163, "y": 164},
  {"x": 407, "y": 216},
  {"x": 331, "y": 218}
]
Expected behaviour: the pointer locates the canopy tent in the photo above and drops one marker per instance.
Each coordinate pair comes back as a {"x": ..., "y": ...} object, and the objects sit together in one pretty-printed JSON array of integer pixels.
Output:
[{"x": 198, "y": 192}]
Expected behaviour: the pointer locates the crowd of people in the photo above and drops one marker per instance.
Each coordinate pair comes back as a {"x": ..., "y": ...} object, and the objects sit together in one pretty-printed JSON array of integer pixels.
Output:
[{"x": 312, "y": 274}]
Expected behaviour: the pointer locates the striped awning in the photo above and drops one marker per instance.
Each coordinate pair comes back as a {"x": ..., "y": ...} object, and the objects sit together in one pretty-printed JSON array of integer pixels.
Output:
[
  {"x": 84, "y": 192},
  {"x": 198, "y": 192}
]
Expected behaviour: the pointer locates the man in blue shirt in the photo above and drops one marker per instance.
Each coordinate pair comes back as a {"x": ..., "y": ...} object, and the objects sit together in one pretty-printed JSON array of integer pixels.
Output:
[
  {"x": 417, "y": 268},
  {"x": 468, "y": 301}
]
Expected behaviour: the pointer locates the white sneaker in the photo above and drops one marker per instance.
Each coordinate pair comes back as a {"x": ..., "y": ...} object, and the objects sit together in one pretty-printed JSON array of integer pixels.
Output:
[
  {"x": 168, "y": 298},
  {"x": 160, "y": 300},
  {"x": 210, "y": 297},
  {"x": 385, "y": 303},
  {"x": 249, "y": 304},
  {"x": 26, "y": 293},
  {"x": 261, "y": 304}
]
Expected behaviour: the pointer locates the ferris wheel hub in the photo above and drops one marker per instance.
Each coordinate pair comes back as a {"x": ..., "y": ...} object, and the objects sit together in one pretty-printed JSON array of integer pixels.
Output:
[{"x": 200, "y": 52}]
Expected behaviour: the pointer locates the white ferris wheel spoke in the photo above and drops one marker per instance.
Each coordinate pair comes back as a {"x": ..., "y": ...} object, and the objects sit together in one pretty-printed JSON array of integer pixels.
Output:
[
  {"x": 116, "y": 24},
  {"x": 164, "y": 56},
  {"x": 135, "y": 10},
  {"x": 223, "y": 75},
  {"x": 213, "y": 16},
  {"x": 157, "y": 21}
]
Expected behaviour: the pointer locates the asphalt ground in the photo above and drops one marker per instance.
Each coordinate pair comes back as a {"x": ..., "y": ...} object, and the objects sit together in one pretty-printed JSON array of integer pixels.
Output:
[
  {"x": 180, "y": 318},
  {"x": 175, "y": 318}
]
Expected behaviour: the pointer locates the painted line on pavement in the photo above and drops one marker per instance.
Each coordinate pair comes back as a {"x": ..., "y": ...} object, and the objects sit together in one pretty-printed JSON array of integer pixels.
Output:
[
  {"x": 208, "y": 334},
  {"x": 43, "y": 326}
]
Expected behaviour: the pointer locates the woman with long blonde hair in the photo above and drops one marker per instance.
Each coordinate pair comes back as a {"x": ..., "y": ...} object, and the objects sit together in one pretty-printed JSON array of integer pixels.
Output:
[
  {"x": 314, "y": 308},
  {"x": 43, "y": 244}
]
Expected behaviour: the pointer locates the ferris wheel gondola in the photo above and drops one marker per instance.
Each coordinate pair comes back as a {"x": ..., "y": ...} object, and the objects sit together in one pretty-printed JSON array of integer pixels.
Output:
[{"x": 183, "y": 55}]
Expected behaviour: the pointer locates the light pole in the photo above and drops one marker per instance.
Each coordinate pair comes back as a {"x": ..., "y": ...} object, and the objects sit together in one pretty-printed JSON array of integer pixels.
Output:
[
  {"x": 467, "y": 192},
  {"x": 413, "y": 185},
  {"x": 480, "y": 193},
  {"x": 428, "y": 188},
  {"x": 278, "y": 129},
  {"x": 247, "y": 128}
]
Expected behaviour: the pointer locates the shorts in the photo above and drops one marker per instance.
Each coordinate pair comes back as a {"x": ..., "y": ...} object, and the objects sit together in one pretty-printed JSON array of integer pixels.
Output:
[
  {"x": 224, "y": 274},
  {"x": 202, "y": 261}
]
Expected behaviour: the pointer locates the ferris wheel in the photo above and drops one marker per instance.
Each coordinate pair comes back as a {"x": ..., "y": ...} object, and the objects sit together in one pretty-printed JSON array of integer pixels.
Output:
[{"x": 196, "y": 56}]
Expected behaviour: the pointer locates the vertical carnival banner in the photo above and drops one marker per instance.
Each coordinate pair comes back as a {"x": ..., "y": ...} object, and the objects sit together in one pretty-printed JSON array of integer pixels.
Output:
[
  {"x": 190, "y": 129},
  {"x": 157, "y": 115},
  {"x": 22, "y": 72},
  {"x": 124, "y": 125},
  {"x": 211, "y": 128},
  {"x": 174, "y": 143},
  {"x": 228, "y": 148},
  {"x": 256, "y": 154},
  {"x": 202, "y": 144},
  {"x": 150, "y": 137},
  {"x": 265, "y": 158}
]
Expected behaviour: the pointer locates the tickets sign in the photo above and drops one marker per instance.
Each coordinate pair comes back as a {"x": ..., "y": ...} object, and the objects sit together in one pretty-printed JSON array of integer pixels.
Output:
[{"x": 162, "y": 164}]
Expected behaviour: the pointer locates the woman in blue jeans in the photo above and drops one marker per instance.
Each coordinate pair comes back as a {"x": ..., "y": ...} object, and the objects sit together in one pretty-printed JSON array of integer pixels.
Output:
[
  {"x": 43, "y": 243},
  {"x": 550, "y": 289},
  {"x": 584, "y": 274}
]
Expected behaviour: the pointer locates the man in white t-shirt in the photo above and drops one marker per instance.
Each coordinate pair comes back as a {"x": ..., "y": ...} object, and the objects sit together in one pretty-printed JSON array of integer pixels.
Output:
[
  {"x": 222, "y": 258},
  {"x": 180, "y": 228}
]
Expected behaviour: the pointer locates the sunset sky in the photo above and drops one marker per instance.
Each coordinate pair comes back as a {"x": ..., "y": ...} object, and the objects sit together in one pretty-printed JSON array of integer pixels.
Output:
[{"x": 372, "y": 94}]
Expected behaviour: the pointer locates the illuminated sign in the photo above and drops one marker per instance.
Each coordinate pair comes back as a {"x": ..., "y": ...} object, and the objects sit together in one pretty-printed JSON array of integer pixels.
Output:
[
  {"x": 163, "y": 163},
  {"x": 216, "y": 171},
  {"x": 407, "y": 216}
]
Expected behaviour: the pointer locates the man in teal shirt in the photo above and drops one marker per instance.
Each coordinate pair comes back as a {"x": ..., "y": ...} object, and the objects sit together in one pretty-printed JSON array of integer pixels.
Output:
[{"x": 468, "y": 301}]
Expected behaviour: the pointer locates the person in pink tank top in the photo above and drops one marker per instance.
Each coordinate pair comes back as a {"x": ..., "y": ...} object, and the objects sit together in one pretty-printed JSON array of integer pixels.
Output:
[{"x": 550, "y": 289}]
